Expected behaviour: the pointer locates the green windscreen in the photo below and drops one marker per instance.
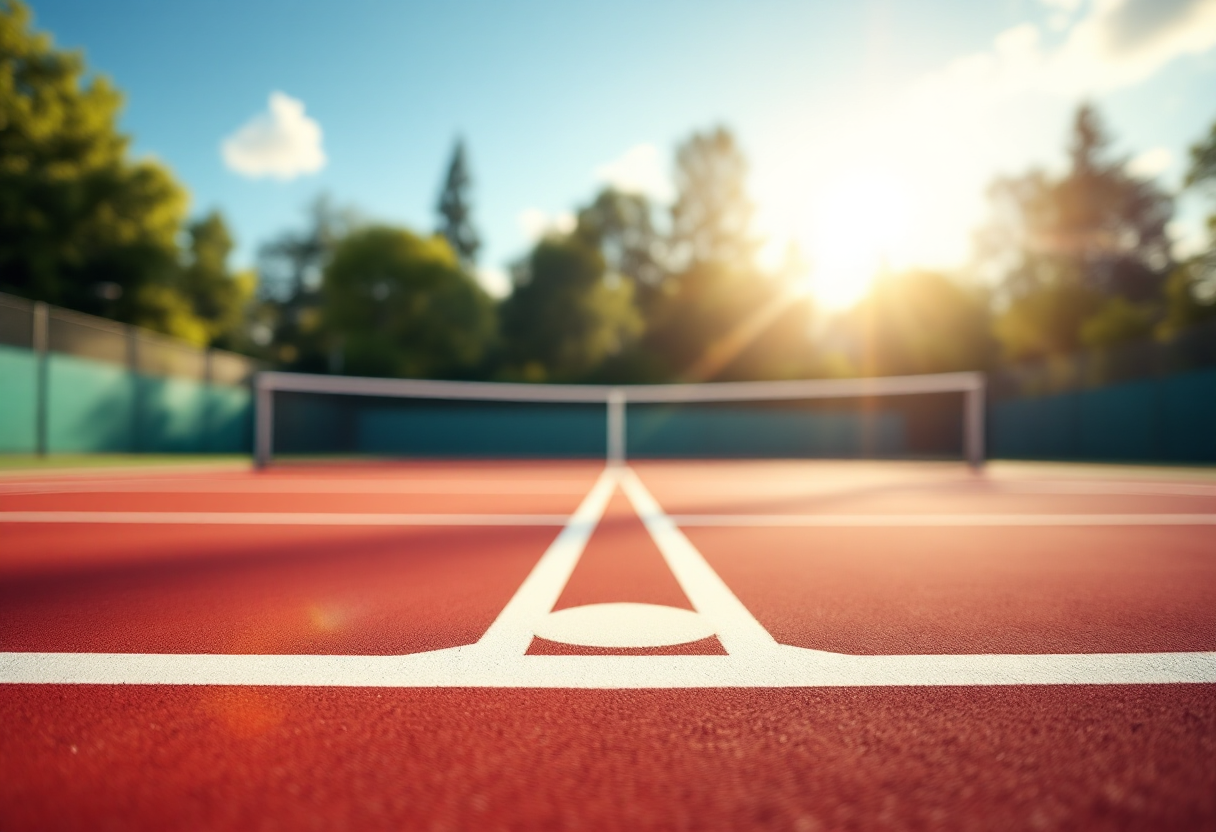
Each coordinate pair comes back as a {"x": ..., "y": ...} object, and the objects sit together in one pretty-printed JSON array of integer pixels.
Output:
[
  {"x": 318, "y": 424},
  {"x": 912, "y": 426}
]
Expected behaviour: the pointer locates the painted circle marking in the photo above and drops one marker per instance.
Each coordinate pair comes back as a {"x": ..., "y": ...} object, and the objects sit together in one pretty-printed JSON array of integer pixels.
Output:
[{"x": 624, "y": 625}]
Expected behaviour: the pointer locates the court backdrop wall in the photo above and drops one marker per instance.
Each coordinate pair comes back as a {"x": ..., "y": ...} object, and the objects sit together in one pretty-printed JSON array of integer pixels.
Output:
[
  {"x": 1171, "y": 419},
  {"x": 73, "y": 383}
]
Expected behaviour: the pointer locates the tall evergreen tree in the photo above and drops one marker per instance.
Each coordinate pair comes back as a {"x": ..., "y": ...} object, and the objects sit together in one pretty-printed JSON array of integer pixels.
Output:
[{"x": 456, "y": 209}]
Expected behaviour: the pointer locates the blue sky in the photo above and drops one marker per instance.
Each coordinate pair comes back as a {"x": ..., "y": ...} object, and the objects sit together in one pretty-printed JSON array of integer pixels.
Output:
[{"x": 907, "y": 109}]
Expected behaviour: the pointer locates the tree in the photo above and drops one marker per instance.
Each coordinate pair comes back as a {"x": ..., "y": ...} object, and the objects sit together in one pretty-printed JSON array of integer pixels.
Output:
[
  {"x": 621, "y": 226},
  {"x": 81, "y": 224},
  {"x": 563, "y": 318},
  {"x": 218, "y": 297},
  {"x": 1190, "y": 293},
  {"x": 718, "y": 316},
  {"x": 711, "y": 217},
  {"x": 291, "y": 266},
  {"x": 1064, "y": 244},
  {"x": 456, "y": 210},
  {"x": 923, "y": 322},
  {"x": 292, "y": 263},
  {"x": 401, "y": 306}
]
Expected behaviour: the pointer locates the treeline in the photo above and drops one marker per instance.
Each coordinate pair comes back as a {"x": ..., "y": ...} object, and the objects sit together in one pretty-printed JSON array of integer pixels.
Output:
[
  {"x": 624, "y": 295},
  {"x": 633, "y": 292}
]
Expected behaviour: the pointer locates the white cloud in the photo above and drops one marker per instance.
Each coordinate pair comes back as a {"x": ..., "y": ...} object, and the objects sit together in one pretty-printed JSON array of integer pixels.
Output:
[
  {"x": 494, "y": 280},
  {"x": 536, "y": 223},
  {"x": 282, "y": 142},
  {"x": 1151, "y": 163},
  {"x": 639, "y": 170},
  {"x": 1060, "y": 12},
  {"x": 1112, "y": 44}
]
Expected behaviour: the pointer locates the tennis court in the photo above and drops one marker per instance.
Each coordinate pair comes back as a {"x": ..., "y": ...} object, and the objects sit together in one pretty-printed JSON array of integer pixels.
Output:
[{"x": 605, "y": 642}]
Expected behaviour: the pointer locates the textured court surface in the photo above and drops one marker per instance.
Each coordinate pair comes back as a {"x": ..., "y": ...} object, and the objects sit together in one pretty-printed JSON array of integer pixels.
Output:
[{"x": 830, "y": 645}]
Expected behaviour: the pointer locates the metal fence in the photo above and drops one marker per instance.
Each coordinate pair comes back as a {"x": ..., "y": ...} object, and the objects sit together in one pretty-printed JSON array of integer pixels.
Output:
[{"x": 78, "y": 383}]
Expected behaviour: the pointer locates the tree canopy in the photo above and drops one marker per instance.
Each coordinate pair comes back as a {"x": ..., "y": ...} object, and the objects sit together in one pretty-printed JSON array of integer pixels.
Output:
[
  {"x": 82, "y": 223},
  {"x": 563, "y": 318},
  {"x": 455, "y": 207},
  {"x": 1065, "y": 243},
  {"x": 398, "y": 304}
]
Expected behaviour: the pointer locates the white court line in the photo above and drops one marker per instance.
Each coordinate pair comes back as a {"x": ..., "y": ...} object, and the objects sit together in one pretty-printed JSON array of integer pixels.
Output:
[
  {"x": 471, "y": 667},
  {"x": 1097, "y": 489},
  {"x": 736, "y": 627},
  {"x": 934, "y": 520},
  {"x": 279, "y": 518},
  {"x": 754, "y": 659},
  {"x": 511, "y": 633},
  {"x": 270, "y": 485}
]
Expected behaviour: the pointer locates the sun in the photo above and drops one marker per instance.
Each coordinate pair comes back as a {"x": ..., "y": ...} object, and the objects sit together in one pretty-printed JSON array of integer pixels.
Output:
[{"x": 860, "y": 224}]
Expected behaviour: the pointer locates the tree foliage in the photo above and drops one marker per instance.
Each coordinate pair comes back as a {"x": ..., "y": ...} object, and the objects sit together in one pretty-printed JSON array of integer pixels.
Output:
[
  {"x": 621, "y": 227},
  {"x": 84, "y": 225},
  {"x": 712, "y": 214},
  {"x": 1063, "y": 244},
  {"x": 400, "y": 305},
  {"x": 81, "y": 223},
  {"x": 1097, "y": 224},
  {"x": 923, "y": 322},
  {"x": 563, "y": 318},
  {"x": 455, "y": 208},
  {"x": 218, "y": 297}
]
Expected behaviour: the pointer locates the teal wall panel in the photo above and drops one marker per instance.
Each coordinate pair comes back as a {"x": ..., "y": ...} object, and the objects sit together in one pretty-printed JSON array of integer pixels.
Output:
[
  {"x": 91, "y": 406},
  {"x": 18, "y": 400},
  {"x": 1156, "y": 420},
  {"x": 99, "y": 407},
  {"x": 171, "y": 415},
  {"x": 229, "y": 420},
  {"x": 504, "y": 429},
  {"x": 675, "y": 431}
]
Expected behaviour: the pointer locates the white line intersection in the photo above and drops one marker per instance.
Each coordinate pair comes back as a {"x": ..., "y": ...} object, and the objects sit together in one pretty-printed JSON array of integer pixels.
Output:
[{"x": 754, "y": 659}]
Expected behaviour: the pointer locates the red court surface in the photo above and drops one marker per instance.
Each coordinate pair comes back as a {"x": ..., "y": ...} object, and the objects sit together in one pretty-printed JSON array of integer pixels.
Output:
[{"x": 700, "y": 645}]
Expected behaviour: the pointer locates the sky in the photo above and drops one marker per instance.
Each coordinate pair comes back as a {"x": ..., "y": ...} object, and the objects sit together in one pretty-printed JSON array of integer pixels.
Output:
[{"x": 872, "y": 128}]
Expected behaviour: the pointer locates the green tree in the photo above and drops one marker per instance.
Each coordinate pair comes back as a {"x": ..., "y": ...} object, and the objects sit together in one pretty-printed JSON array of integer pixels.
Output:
[
  {"x": 712, "y": 214},
  {"x": 719, "y": 316},
  {"x": 219, "y": 298},
  {"x": 1062, "y": 245},
  {"x": 81, "y": 223},
  {"x": 1191, "y": 291},
  {"x": 400, "y": 305},
  {"x": 621, "y": 226},
  {"x": 563, "y": 318},
  {"x": 455, "y": 208},
  {"x": 923, "y": 322},
  {"x": 290, "y": 269},
  {"x": 1046, "y": 319}
]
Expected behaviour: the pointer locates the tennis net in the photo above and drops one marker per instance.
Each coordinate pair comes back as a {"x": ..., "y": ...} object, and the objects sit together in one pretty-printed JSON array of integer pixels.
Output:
[{"x": 928, "y": 416}]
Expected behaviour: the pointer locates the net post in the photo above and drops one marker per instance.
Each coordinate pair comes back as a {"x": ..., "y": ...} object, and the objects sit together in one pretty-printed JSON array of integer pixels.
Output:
[
  {"x": 973, "y": 421},
  {"x": 616, "y": 426},
  {"x": 263, "y": 421}
]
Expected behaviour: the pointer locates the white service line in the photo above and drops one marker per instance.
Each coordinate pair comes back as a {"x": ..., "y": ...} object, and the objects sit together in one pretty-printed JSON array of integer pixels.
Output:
[
  {"x": 1100, "y": 489},
  {"x": 279, "y": 518},
  {"x": 935, "y": 520},
  {"x": 735, "y": 626},
  {"x": 508, "y": 637},
  {"x": 255, "y": 484}
]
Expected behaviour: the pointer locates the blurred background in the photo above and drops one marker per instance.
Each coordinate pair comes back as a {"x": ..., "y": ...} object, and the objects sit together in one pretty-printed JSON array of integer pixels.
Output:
[{"x": 609, "y": 193}]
